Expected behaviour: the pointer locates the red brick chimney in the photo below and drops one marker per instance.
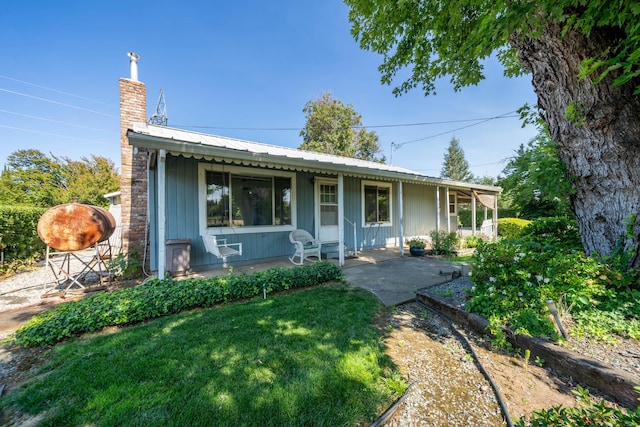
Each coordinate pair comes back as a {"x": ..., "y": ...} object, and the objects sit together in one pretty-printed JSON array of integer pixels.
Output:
[{"x": 133, "y": 177}]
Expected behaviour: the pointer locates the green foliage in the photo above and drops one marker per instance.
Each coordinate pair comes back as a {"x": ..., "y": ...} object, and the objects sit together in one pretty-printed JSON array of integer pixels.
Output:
[
  {"x": 416, "y": 243},
  {"x": 334, "y": 128},
  {"x": 510, "y": 228},
  {"x": 472, "y": 241},
  {"x": 444, "y": 243},
  {"x": 587, "y": 414},
  {"x": 455, "y": 166},
  {"x": 161, "y": 297},
  {"x": 428, "y": 41},
  {"x": 535, "y": 180},
  {"x": 464, "y": 216},
  {"x": 34, "y": 179},
  {"x": 18, "y": 233},
  {"x": 125, "y": 266},
  {"x": 513, "y": 279}
]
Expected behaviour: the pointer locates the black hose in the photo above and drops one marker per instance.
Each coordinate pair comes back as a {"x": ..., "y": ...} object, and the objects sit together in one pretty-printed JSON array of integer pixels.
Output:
[{"x": 496, "y": 391}]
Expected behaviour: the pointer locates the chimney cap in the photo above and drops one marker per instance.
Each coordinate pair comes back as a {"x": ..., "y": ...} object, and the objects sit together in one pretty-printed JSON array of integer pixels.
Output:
[{"x": 133, "y": 65}]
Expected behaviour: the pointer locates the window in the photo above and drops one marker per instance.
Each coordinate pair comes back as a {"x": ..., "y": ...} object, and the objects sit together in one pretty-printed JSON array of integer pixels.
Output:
[
  {"x": 245, "y": 198},
  {"x": 452, "y": 204},
  {"x": 377, "y": 202}
]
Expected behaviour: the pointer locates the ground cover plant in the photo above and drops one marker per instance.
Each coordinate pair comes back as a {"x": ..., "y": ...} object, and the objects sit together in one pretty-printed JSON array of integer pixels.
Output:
[
  {"x": 162, "y": 297},
  {"x": 308, "y": 357},
  {"x": 515, "y": 277}
]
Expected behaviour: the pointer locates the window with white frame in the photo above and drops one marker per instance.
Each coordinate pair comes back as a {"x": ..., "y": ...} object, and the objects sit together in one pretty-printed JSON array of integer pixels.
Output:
[
  {"x": 453, "y": 206},
  {"x": 376, "y": 202},
  {"x": 246, "y": 199}
]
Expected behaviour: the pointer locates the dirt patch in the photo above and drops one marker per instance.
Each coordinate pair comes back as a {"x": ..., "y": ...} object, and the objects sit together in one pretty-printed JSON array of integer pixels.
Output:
[{"x": 450, "y": 389}]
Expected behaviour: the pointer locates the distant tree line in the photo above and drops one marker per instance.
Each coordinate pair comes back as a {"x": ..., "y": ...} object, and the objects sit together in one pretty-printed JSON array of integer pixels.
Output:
[{"x": 31, "y": 178}]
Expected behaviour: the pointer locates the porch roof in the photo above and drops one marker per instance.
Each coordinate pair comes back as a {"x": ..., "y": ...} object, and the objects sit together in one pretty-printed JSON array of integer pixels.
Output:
[{"x": 180, "y": 142}]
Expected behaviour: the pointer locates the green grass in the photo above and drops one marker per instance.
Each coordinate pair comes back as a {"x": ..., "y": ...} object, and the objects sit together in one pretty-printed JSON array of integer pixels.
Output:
[
  {"x": 310, "y": 357},
  {"x": 464, "y": 259}
]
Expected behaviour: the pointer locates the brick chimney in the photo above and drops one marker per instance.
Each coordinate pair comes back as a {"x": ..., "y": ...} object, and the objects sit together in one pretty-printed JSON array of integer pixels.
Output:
[{"x": 133, "y": 177}]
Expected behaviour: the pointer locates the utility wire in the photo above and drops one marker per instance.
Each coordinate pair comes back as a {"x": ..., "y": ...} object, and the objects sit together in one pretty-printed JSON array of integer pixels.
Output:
[
  {"x": 52, "y": 134},
  {"x": 57, "y": 103},
  {"x": 54, "y": 121},
  {"x": 55, "y": 90},
  {"x": 398, "y": 145}
]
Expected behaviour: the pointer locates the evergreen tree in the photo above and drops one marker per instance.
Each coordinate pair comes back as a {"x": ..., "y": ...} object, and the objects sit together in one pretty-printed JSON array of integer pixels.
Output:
[{"x": 455, "y": 166}]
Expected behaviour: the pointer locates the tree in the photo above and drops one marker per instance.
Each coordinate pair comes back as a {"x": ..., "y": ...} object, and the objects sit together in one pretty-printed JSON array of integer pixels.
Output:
[
  {"x": 535, "y": 180},
  {"x": 584, "y": 57},
  {"x": 32, "y": 178},
  {"x": 455, "y": 166},
  {"x": 334, "y": 128}
]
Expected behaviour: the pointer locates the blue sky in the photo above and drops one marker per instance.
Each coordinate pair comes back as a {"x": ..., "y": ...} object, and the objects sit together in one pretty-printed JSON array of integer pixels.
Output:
[{"x": 239, "y": 69}]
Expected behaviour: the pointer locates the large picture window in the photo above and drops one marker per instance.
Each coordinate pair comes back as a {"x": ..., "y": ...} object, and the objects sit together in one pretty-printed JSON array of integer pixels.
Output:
[
  {"x": 244, "y": 198},
  {"x": 377, "y": 202}
]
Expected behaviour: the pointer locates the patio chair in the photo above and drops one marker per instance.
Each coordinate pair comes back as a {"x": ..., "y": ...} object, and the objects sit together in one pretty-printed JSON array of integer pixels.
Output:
[
  {"x": 220, "y": 248},
  {"x": 305, "y": 246},
  {"x": 487, "y": 227}
]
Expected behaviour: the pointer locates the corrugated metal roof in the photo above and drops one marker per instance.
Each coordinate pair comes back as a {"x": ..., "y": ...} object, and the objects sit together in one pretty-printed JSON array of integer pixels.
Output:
[{"x": 195, "y": 144}]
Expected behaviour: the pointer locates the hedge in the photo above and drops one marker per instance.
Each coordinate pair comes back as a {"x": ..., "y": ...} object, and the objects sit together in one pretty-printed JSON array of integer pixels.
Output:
[
  {"x": 511, "y": 228},
  {"x": 162, "y": 297},
  {"x": 18, "y": 232}
]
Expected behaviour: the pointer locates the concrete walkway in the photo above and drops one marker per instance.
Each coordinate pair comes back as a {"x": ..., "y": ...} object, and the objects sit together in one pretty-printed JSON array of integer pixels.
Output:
[{"x": 396, "y": 280}]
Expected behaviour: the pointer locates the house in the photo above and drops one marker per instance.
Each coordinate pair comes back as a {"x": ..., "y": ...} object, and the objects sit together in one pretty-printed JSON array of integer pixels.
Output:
[{"x": 192, "y": 184}]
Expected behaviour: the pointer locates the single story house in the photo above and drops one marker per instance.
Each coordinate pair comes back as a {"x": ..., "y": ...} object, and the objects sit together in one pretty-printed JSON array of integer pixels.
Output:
[{"x": 179, "y": 184}]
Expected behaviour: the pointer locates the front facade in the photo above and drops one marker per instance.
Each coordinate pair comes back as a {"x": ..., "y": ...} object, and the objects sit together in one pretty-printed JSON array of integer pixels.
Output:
[{"x": 256, "y": 194}]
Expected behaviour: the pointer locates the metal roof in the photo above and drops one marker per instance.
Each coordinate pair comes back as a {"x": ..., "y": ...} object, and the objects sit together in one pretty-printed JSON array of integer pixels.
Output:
[{"x": 220, "y": 148}]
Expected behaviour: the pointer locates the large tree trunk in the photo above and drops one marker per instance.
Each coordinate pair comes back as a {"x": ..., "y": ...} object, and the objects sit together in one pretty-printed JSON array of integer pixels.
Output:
[{"x": 601, "y": 147}]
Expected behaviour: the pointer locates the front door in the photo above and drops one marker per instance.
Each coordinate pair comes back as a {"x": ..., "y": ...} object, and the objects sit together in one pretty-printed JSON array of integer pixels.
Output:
[{"x": 327, "y": 210}]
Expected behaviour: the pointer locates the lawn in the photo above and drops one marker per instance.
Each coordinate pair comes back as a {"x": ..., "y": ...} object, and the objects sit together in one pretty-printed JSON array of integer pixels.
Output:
[{"x": 309, "y": 357}]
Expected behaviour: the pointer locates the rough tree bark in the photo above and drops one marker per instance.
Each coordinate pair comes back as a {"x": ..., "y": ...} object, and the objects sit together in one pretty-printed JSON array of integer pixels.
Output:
[{"x": 600, "y": 145}]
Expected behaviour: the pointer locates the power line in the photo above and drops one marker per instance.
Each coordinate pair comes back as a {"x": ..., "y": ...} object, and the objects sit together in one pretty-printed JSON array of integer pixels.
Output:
[
  {"x": 54, "y": 121},
  {"x": 398, "y": 145},
  {"x": 55, "y": 90},
  {"x": 53, "y": 134},
  {"x": 504, "y": 116},
  {"x": 57, "y": 103}
]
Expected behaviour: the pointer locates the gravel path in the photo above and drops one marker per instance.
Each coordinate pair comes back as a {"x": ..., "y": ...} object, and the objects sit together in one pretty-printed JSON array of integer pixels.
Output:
[{"x": 27, "y": 287}]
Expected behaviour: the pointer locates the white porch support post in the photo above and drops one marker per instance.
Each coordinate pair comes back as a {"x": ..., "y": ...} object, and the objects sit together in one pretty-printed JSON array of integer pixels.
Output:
[
  {"x": 446, "y": 196},
  {"x": 473, "y": 214},
  {"x": 341, "y": 219},
  {"x": 438, "y": 208},
  {"x": 161, "y": 215},
  {"x": 495, "y": 217},
  {"x": 400, "y": 218}
]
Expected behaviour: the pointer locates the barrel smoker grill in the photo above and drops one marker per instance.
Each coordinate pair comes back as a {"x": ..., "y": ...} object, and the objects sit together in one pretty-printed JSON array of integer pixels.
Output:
[{"x": 69, "y": 231}]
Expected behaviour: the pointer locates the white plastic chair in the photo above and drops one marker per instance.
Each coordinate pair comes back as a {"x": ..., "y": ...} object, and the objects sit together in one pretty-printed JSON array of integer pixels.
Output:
[
  {"x": 305, "y": 246},
  {"x": 220, "y": 248}
]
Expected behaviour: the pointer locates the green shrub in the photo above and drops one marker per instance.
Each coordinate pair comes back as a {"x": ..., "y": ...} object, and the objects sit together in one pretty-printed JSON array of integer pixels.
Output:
[
  {"x": 444, "y": 243},
  {"x": 18, "y": 232},
  {"x": 511, "y": 228},
  {"x": 472, "y": 241},
  {"x": 464, "y": 216},
  {"x": 554, "y": 230},
  {"x": 161, "y": 297}
]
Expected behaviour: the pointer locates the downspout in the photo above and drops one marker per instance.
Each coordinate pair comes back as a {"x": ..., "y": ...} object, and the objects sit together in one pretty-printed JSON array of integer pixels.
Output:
[
  {"x": 401, "y": 218},
  {"x": 341, "y": 219},
  {"x": 438, "y": 208},
  {"x": 161, "y": 215}
]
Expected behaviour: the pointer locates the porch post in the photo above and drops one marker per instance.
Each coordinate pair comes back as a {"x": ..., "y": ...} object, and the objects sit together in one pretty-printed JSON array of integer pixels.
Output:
[
  {"x": 495, "y": 218},
  {"x": 341, "y": 219},
  {"x": 400, "y": 218},
  {"x": 438, "y": 208},
  {"x": 473, "y": 214},
  {"x": 446, "y": 196},
  {"x": 162, "y": 232}
]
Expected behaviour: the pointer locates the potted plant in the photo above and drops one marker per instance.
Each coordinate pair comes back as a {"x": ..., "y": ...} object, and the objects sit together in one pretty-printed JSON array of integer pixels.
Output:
[{"x": 416, "y": 246}]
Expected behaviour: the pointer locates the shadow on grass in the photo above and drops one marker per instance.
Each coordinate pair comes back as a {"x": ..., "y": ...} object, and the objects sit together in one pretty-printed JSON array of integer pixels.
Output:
[{"x": 311, "y": 357}]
